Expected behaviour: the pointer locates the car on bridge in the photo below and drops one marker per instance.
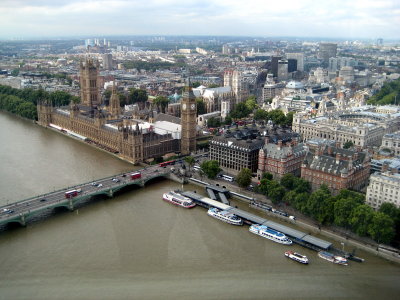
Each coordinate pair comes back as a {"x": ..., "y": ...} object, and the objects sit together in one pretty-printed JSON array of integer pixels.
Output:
[{"x": 8, "y": 211}]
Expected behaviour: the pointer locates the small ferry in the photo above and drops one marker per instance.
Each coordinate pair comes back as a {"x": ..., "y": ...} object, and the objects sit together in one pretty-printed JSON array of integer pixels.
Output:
[
  {"x": 270, "y": 234},
  {"x": 297, "y": 257},
  {"x": 177, "y": 199},
  {"x": 225, "y": 216},
  {"x": 333, "y": 258}
]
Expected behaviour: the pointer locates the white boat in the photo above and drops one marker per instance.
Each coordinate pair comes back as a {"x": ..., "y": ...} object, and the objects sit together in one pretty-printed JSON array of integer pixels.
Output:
[
  {"x": 225, "y": 216},
  {"x": 333, "y": 258},
  {"x": 177, "y": 199},
  {"x": 270, "y": 234},
  {"x": 297, "y": 257}
]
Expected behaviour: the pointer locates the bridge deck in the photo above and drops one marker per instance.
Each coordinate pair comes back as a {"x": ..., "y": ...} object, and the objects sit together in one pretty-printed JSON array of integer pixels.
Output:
[{"x": 22, "y": 210}]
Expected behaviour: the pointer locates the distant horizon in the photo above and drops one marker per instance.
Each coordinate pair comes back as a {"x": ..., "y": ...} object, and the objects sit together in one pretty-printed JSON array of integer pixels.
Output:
[
  {"x": 341, "y": 19},
  {"x": 130, "y": 36}
]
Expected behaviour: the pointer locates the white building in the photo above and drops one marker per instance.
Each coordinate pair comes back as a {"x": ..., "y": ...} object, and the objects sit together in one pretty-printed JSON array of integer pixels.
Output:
[
  {"x": 383, "y": 187},
  {"x": 391, "y": 141},
  {"x": 202, "y": 120},
  {"x": 363, "y": 126}
]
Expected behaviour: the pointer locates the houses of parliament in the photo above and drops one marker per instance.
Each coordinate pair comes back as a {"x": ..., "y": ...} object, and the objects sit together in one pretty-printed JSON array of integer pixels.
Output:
[{"x": 107, "y": 128}]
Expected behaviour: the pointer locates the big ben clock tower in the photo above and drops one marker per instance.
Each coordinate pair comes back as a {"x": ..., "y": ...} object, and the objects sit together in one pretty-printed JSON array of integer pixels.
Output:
[{"x": 188, "y": 121}]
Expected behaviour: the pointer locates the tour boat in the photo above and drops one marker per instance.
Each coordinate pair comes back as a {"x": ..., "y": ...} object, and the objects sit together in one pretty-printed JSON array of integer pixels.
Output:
[
  {"x": 177, "y": 199},
  {"x": 225, "y": 216},
  {"x": 297, "y": 257},
  {"x": 270, "y": 234},
  {"x": 333, "y": 258}
]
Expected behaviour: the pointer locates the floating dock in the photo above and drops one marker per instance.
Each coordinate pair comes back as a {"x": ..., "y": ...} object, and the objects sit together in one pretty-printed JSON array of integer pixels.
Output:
[{"x": 299, "y": 237}]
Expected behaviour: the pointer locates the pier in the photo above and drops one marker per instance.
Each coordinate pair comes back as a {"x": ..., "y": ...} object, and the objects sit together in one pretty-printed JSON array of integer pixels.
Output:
[{"x": 299, "y": 237}]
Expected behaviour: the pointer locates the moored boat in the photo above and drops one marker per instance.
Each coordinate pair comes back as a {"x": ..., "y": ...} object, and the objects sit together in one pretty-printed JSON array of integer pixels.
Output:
[
  {"x": 333, "y": 258},
  {"x": 177, "y": 199},
  {"x": 225, "y": 216},
  {"x": 269, "y": 233},
  {"x": 297, "y": 257}
]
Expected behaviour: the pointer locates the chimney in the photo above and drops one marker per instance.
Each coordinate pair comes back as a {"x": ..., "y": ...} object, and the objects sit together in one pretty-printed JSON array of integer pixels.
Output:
[
  {"x": 337, "y": 158},
  {"x": 266, "y": 140},
  {"x": 279, "y": 144},
  {"x": 355, "y": 156},
  {"x": 337, "y": 145},
  {"x": 385, "y": 167},
  {"x": 330, "y": 150}
]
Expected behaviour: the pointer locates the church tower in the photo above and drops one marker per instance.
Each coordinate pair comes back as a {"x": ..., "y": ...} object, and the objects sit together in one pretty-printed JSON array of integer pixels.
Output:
[
  {"x": 90, "y": 93},
  {"x": 114, "y": 107},
  {"x": 188, "y": 121}
]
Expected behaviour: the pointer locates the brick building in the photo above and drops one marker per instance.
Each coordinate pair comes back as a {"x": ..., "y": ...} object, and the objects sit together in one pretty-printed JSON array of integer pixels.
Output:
[
  {"x": 337, "y": 168},
  {"x": 280, "y": 159}
]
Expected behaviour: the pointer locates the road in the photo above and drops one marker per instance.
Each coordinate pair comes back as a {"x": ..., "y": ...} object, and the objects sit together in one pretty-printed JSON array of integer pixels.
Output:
[{"x": 89, "y": 188}]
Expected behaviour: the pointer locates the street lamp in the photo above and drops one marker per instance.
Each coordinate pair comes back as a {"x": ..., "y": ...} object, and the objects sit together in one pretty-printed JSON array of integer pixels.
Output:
[{"x": 342, "y": 246}]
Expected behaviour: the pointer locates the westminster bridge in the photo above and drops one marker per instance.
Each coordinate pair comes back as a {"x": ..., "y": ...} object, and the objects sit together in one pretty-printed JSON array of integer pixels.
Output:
[{"x": 25, "y": 210}]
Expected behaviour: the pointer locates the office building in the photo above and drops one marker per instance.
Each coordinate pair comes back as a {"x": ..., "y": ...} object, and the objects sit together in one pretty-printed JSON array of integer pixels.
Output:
[{"x": 383, "y": 188}]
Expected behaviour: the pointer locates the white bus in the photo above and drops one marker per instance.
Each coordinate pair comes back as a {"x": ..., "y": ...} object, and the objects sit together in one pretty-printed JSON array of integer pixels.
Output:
[{"x": 227, "y": 178}]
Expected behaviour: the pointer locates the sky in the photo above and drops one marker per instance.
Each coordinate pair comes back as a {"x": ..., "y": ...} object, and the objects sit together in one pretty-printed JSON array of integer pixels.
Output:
[{"x": 295, "y": 18}]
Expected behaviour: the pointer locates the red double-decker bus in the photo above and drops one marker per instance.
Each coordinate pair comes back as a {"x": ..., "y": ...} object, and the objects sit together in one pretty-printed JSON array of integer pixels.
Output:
[
  {"x": 136, "y": 175},
  {"x": 71, "y": 194},
  {"x": 167, "y": 163}
]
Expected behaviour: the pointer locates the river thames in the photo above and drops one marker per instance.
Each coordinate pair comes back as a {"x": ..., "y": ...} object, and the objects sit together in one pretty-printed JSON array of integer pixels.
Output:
[{"x": 136, "y": 246}]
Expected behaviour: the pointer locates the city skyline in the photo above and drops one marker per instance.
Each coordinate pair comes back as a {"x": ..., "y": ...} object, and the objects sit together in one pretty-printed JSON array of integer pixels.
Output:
[{"x": 347, "y": 19}]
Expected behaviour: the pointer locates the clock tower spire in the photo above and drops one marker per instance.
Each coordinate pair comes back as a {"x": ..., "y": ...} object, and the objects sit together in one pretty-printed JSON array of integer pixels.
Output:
[{"x": 188, "y": 120}]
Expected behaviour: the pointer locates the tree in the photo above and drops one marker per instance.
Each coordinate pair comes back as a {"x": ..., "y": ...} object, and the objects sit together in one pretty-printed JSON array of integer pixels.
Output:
[
  {"x": 201, "y": 107},
  {"x": 213, "y": 85},
  {"x": 288, "y": 181},
  {"x": 381, "y": 228},
  {"x": 190, "y": 160},
  {"x": 361, "y": 218},
  {"x": 123, "y": 100},
  {"x": 275, "y": 191},
  {"x": 267, "y": 176},
  {"x": 342, "y": 211},
  {"x": 240, "y": 111},
  {"x": 277, "y": 116},
  {"x": 316, "y": 203},
  {"x": 15, "y": 72},
  {"x": 137, "y": 96},
  {"x": 243, "y": 178},
  {"x": 260, "y": 114},
  {"x": 251, "y": 103},
  {"x": 301, "y": 185},
  {"x": 348, "y": 145},
  {"x": 213, "y": 122},
  {"x": 161, "y": 102},
  {"x": 196, "y": 84},
  {"x": 210, "y": 168},
  {"x": 107, "y": 95},
  {"x": 391, "y": 211},
  {"x": 60, "y": 98},
  {"x": 228, "y": 120},
  {"x": 289, "y": 118}
]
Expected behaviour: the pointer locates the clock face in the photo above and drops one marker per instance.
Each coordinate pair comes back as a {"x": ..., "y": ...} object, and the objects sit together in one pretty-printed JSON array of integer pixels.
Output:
[
  {"x": 184, "y": 106},
  {"x": 193, "y": 106}
]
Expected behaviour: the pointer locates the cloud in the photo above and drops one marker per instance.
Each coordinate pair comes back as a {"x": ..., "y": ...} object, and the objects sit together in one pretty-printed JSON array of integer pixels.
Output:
[{"x": 228, "y": 17}]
